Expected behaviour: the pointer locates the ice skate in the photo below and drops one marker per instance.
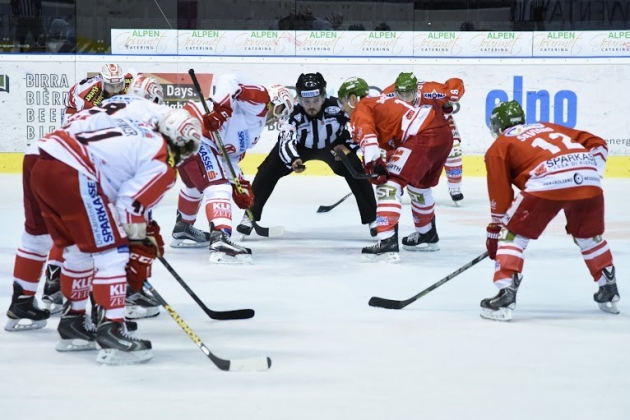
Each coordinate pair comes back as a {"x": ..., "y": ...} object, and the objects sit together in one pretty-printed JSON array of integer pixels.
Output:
[
  {"x": 52, "y": 299},
  {"x": 500, "y": 307},
  {"x": 224, "y": 251},
  {"x": 424, "y": 242},
  {"x": 456, "y": 195},
  {"x": 385, "y": 250},
  {"x": 23, "y": 313},
  {"x": 118, "y": 347},
  {"x": 97, "y": 314},
  {"x": 140, "y": 305},
  {"x": 245, "y": 227},
  {"x": 373, "y": 231},
  {"x": 76, "y": 331},
  {"x": 187, "y": 236},
  {"x": 607, "y": 296}
]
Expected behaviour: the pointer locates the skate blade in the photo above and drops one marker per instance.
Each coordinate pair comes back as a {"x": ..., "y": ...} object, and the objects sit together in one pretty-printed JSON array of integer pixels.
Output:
[
  {"x": 388, "y": 257},
  {"x": 187, "y": 243},
  {"x": 115, "y": 357},
  {"x": 457, "y": 203},
  {"x": 140, "y": 312},
  {"x": 502, "y": 314},
  {"x": 422, "y": 247},
  {"x": 74, "y": 344},
  {"x": 23, "y": 324},
  {"x": 609, "y": 307},
  {"x": 223, "y": 258}
]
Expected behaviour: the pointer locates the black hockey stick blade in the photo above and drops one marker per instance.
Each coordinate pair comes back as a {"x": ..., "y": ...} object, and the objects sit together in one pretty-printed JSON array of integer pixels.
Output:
[
  {"x": 353, "y": 172},
  {"x": 379, "y": 302},
  {"x": 252, "y": 364},
  {"x": 216, "y": 315},
  {"x": 326, "y": 209}
]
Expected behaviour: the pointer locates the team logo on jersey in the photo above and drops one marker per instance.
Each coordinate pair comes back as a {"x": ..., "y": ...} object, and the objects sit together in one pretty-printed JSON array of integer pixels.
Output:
[
  {"x": 397, "y": 161},
  {"x": 243, "y": 139},
  {"x": 578, "y": 178},
  {"x": 434, "y": 95},
  {"x": 96, "y": 212},
  {"x": 205, "y": 158},
  {"x": 515, "y": 131},
  {"x": 93, "y": 95},
  {"x": 230, "y": 149},
  {"x": 332, "y": 110}
]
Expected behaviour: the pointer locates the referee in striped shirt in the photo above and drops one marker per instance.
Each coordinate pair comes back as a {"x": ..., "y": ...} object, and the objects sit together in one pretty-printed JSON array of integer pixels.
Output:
[{"x": 314, "y": 128}]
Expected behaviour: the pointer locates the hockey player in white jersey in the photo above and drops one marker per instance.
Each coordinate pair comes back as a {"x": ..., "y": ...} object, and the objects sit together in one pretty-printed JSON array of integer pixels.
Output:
[
  {"x": 94, "y": 189},
  {"x": 240, "y": 113}
]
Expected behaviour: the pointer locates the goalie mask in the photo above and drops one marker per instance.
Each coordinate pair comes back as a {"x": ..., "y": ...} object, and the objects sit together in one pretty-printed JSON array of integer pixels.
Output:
[
  {"x": 182, "y": 132},
  {"x": 281, "y": 104},
  {"x": 146, "y": 87},
  {"x": 113, "y": 79}
]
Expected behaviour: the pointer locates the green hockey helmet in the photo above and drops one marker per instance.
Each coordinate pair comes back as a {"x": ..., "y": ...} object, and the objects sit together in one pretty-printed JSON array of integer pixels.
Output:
[
  {"x": 354, "y": 85},
  {"x": 506, "y": 115},
  {"x": 406, "y": 87}
]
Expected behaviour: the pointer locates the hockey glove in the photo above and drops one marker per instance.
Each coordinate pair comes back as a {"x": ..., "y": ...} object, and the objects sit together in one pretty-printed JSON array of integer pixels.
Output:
[
  {"x": 214, "y": 120},
  {"x": 244, "y": 199},
  {"x": 153, "y": 235},
  {"x": 492, "y": 239},
  {"x": 141, "y": 256},
  {"x": 373, "y": 161}
]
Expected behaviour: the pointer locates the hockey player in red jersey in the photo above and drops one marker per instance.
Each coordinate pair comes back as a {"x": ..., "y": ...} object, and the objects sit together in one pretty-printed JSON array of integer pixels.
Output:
[
  {"x": 24, "y": 313},
  {"x": 239, "y": 115},
  {"x": 445, "y": 95},
  {"x": 92, "y": 91},
  {"x": 556, "y": 169},
  {"x": 94, "y": 197},
  {"x": 405, "y": 146}
]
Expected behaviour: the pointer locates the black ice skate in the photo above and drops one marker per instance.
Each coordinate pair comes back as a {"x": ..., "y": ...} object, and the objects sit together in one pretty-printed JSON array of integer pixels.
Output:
[
  {"x": 385, "y": 250},
  {"x": 424, "y": 242},
  {"x": 140, "y": 305},
  {"x": 500, "y": 307},
  {"x": 456, "y": 195},
  {"x": 373, "y": 231},
  {"x": 224, "y": 251},
  {"x": 118, "y": 347},
  {"x": 97, "y": 314},
  {"x": 245, "y": 227},
  {"x": 187, "y": 236},
  {"x": 76, "y": 331},
  {"x": 52, "y": 299},
  {"x": 24, "y": 314},
  {"x": 607, "y": 296}
]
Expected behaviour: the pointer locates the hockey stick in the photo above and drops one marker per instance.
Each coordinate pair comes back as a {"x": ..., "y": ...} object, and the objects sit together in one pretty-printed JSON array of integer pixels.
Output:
[
  {"x": 399, "y": 304},
  {"x": 260, "y": 363},
  {"x": 353, "y": 172},
  {"x": 273, "y": 231},
  {"x": 326, "y": 209},
  {"x": 217, "y": 315}
]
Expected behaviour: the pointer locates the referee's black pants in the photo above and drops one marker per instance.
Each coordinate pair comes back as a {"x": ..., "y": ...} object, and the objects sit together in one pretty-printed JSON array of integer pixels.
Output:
[{"x": 273, "y": 168}]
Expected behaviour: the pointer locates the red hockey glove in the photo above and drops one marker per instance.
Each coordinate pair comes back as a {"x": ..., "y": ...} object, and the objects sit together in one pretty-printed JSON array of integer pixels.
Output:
[
  {"x": 141, "y": 257},
  {"x": 492, "y": 239},
  {"x": 153, "y": 235},
  {"x": 219, "y": 115},
  {"x": 245, "y": 199},
  {"x": 378, "y": 167}
]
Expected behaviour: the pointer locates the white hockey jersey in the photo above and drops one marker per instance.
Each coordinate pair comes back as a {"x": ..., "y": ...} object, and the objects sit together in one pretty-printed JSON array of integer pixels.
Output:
[
  {"x": 131, "y": 162},
  {"x": 249, "y": 110}
]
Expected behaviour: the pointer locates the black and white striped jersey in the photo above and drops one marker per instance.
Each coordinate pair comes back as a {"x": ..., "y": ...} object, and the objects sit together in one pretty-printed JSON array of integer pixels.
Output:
[{"x": 328, "y": 128}]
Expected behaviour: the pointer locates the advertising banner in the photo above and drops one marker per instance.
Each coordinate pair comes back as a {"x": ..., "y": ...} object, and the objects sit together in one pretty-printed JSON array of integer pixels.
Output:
[
  {"x": 549, "y": 90},
  {"x": 581, "y": 44},
  {"x": 144, "y": 41}
]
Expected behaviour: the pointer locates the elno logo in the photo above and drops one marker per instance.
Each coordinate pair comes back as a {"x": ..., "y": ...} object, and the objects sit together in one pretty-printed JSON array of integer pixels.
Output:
[{"x": 4, "y": 83}]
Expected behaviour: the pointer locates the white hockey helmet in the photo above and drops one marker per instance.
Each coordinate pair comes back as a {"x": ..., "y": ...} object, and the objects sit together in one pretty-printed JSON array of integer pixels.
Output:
[
  {"x": 182, "y": 132},
  {"x": 113, "y": 79},
  {"x": 282, "y": 101},
  {"x": 146, "y": 87}
]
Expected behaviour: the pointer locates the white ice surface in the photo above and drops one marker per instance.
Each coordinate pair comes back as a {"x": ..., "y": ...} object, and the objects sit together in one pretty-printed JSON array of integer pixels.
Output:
[{"x": 335, "y": 357}]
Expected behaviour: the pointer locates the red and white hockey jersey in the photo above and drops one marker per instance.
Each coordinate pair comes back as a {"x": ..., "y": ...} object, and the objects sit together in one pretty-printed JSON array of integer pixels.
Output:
[
  {"x": 243, "y": 129},
  {"x": 546, "y": 160},
  {"x": 87, "y": 94},
  {"x": 131, "y": 162}
]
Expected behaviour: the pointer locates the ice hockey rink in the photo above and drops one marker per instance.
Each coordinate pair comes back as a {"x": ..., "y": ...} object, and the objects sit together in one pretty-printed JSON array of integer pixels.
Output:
[{"x": 335, "y": 357}]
